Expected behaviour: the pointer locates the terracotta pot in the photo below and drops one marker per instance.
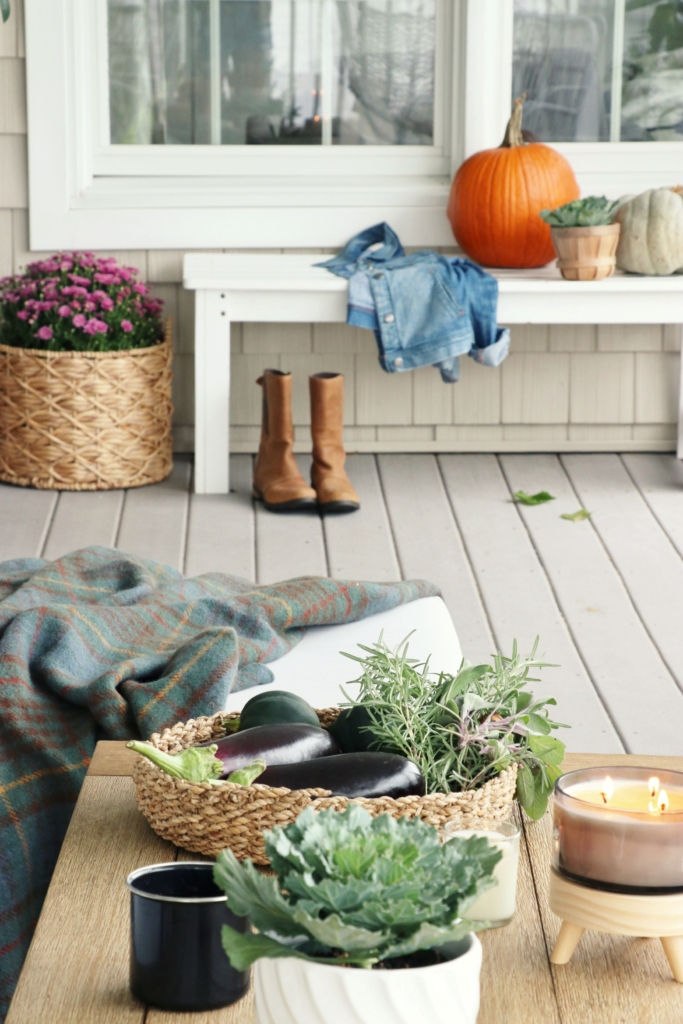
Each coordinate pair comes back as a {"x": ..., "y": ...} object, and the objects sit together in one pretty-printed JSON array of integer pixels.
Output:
[
  {"x": 587, "y": 254},
  {"x": 291, "y": 991}
]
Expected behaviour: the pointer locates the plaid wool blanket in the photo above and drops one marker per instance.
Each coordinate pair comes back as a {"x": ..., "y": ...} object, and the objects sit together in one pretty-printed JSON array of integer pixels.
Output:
[{"x": 103, "y": 640}]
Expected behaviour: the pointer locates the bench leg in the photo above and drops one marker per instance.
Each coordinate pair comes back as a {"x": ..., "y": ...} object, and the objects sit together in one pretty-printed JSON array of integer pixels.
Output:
[{"x": 212, "y": 393}]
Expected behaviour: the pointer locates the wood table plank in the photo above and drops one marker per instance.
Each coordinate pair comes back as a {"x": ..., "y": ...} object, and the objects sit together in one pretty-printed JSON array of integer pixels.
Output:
[
  {"x": 76, "y": 971},
  {"x": 605, "y": 626},
  {"x": 25, "y": 517},
  {"x": 429, "y": 545},
  {"x": 520, "y": 602},
  {"x": 84, "y": 518},
  {"x": 360, "y": 545},
  {"x": 660, "y": 479},
  {"x": 220, "y": 534},
  {"x": 154, "y": 519},
  {"x": 514, "y": 955},
  {"x": 289, "y": 544},
  {"x": 648, "y": 563}
]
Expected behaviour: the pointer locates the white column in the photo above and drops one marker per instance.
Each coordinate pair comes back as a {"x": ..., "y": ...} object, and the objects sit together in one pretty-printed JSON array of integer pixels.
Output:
[
  {"x": 212, "y": 393},
  {"x": 617, "y": 69},
  {"x": 679, "y": 450},
  {"x": 326, "y": 69}
]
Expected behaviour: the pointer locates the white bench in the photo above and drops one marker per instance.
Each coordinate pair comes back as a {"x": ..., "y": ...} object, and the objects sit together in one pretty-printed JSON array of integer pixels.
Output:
[{"x": 285, "y": 288}]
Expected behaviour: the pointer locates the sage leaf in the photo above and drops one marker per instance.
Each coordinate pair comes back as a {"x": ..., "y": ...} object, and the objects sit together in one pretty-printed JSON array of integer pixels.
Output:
[
  {"x": 547, "y": 748},
  {"x": 4, "y": 9},
  {"x": 533, "y": 499},
  {"x": 577, "y": 517},
  {"x": 526, "y": 786},
  {"x": 537, "y": 723}
]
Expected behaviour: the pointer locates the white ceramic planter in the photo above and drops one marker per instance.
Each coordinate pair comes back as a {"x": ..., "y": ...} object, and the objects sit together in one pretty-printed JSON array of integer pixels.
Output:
[{"x": 291, "y": 991}]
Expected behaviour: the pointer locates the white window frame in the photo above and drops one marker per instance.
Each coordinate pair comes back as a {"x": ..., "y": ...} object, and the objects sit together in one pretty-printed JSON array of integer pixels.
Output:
[
  {"x": 87, "y": 193},
  {"x": 613, "y": 169}
]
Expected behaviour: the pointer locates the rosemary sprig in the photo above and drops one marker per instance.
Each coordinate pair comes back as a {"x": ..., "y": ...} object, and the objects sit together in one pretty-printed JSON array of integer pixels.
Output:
[{"x": 463, "y": 729}]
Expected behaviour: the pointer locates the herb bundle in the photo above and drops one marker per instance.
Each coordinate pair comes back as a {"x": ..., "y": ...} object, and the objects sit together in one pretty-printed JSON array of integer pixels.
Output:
[{"x": 463, "y": 729}]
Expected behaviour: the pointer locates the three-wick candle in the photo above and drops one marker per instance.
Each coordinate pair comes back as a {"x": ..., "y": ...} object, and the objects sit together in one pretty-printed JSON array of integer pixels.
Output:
[{"x": 620, "y": 829}]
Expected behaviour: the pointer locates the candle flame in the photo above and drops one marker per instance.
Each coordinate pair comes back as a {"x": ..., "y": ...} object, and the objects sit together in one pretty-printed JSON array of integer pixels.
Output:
[
  {"x": 607, "y": 790},
  {"x": 653, "y": 786},
  {"x": 663, "y": 801}
]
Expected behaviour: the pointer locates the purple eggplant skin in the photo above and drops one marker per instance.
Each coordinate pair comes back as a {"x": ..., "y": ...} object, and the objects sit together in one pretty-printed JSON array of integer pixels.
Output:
[
  {"x": 275, "y": 744},
  {"x": 368, "y": 774}
]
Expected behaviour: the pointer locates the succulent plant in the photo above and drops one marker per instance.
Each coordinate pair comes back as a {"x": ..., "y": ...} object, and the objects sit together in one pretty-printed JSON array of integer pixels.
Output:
[{"x": 594, "y": 211}]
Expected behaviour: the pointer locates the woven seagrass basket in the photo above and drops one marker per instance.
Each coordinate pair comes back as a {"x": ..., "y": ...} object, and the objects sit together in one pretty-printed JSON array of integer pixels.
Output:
[
  {"x": 206, "y": 818},
  {"x": 86, "y": 421}
]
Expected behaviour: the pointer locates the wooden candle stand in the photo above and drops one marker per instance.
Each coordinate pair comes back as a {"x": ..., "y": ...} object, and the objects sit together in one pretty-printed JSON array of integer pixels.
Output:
[{"x": 647, "y": 917}]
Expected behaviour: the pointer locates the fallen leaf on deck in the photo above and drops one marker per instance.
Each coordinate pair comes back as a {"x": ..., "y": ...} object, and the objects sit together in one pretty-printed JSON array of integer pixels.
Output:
[
  {"x": 533, "y": 499},
  {"x": 576, "y": 517}
]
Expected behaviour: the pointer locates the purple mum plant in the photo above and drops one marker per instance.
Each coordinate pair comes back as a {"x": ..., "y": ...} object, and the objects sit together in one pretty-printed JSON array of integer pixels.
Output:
[{"x": 77, "y": 302}]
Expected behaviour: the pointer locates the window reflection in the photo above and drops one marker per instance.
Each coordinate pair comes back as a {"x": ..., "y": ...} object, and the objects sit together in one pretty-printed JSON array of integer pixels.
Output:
[
  {"x": 276, "y": 72},
  {"x": 600, "y": 70}
]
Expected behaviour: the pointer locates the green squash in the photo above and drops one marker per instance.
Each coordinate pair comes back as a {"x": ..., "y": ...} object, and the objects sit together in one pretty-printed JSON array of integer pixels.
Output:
[
  {"x": 277, "y": 707},
  {"x": 351, "y": 732}
]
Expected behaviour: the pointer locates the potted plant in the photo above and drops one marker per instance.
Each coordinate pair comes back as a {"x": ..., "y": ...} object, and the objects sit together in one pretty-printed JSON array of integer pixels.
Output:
[
  {"x": 85, "y": 377},
  {"x": 363, "y": 921},
  {"x": 585, "y": 238}
]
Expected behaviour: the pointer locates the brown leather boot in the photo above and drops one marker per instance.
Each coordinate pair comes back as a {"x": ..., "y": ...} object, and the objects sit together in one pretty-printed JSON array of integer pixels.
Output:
[
  {"x": 333, "y": 487},
  {"x": 277, "y": 480}
]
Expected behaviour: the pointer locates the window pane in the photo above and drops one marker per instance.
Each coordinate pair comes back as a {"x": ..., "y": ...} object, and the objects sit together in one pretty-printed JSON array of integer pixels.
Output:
[
  {"x": 275, "y": 72},
  {"x": 600, "y": 70}
]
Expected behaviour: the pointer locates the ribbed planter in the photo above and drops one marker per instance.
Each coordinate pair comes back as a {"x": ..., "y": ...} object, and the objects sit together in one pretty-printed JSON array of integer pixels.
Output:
[
  {"x": 86, "y": 421},
  {"x": 206, "y": 818},
  {"x": 291, "y": 991},
  {"x": 587, "y": 254}
]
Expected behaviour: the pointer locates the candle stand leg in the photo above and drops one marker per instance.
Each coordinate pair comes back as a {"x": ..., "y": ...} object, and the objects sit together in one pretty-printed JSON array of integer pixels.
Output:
[
  {"x": 567, "y": 941},
  {"x": 673, "y": 947}
]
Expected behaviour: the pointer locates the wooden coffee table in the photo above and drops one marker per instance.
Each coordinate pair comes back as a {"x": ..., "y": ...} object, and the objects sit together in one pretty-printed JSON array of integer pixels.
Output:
[{"x": 76, "y": 971}]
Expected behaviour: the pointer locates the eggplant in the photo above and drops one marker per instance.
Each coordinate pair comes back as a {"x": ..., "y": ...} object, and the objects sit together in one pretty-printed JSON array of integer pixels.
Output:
[
  {"x": 274, "y": 744},
  {"x": 367, "y": 774}
]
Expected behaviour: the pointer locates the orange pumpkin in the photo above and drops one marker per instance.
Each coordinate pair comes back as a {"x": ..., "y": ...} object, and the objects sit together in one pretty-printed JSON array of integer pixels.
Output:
[{"x": 497, "y": 196}]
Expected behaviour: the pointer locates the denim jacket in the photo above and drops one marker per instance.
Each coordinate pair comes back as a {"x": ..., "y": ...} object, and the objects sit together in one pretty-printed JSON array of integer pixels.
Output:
[{"x": 424, "y": 308}]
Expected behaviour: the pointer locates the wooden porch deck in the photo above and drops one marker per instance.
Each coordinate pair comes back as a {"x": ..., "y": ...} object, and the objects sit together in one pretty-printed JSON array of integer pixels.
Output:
[{"x": 605, "y": 596}]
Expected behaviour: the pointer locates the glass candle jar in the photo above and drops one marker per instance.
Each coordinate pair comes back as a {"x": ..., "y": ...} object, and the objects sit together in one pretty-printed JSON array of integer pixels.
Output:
[
  {"x": 620, "y": 829},
  {"x": 496, "y": 905}
]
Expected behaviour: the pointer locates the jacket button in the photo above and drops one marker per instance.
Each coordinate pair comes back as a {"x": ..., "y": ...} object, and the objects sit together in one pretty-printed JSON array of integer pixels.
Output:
[
  {"x": 389, "y": 318},
  {"x": 398, "y": 362}
]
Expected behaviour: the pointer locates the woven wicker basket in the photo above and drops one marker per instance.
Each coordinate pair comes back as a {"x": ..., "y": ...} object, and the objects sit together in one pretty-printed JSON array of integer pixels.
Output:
[
  {"x": 85, "y": 421},
  {"x": 205, "y": 818}
]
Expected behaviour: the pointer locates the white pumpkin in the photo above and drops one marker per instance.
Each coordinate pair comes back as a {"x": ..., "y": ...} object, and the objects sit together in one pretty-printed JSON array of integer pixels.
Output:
[{"x": 651, "y": 239}]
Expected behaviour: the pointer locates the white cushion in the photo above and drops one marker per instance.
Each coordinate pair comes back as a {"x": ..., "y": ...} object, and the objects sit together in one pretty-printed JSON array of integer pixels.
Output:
[{"x": 315, "y": 669}]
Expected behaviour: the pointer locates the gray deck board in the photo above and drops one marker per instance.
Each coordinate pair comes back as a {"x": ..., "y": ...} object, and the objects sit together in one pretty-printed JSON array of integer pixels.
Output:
[
  {"x": 360, "y": 545},
  {"x": 220, "y": 532},
  {"x": 645, "y": 558},
  {"x": 80, "y": 520},
  {"x": 615, "y": 647},
  {"x": 519, "y": 597},
  {"x": 606, "y": 596},
  {"x": 429, "y": 544}
]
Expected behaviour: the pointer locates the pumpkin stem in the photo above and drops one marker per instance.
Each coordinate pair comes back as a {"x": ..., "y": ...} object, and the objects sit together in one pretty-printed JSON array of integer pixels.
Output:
[{"x": 513, "y": 134}]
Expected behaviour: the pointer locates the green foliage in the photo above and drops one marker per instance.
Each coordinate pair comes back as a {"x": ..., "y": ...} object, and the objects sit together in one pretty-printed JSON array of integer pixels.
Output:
[
  {"x": 463, "y": 729},
  {"x": 533, "y": 499},
  {"x": 196, "y": 764},
  {"x": 353, "y": 889},
  {"x": 4, "y": 9},
  {"x": 577, "y": 517},
  {"x": 582, "y": 213}
]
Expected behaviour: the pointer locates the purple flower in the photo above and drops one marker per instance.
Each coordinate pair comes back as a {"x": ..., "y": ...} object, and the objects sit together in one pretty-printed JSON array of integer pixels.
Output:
[
  {"x": 84, "y": 282},
  {"x": 79, "y": 320},
  {"x": 107, "y": 303},
  {"x": 23, "y": 314},
  {"x": 107, "y": 279},
  {"x": 95, "y": 326},
  {"x": 45, "y": 333},
  {"x": 64, "y": 310},
  {"x": 90, "y": 307},
  {"x": 126, "y": 326},
  {"x": 141, "y": 289}
]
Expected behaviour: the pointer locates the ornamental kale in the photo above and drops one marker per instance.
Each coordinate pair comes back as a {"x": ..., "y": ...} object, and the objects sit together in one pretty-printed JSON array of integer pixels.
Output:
[
  {"x": 354, "y": 890},
  {"x": 462, "y": 730},
  {"x": 75, "y": 302},
  {"x": 591, "y": 212}
]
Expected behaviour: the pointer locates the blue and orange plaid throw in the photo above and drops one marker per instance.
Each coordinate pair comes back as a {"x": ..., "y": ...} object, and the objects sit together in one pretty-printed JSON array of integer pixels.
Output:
[{"x": 100, "y": 640}]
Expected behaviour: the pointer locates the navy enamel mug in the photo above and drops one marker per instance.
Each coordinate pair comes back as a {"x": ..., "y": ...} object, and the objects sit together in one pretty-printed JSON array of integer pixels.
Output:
[{"x": 177, "y": 961}]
